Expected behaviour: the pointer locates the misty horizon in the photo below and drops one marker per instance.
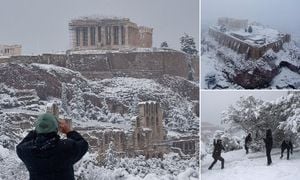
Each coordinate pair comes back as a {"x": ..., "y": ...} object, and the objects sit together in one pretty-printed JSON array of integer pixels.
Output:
[{"x": 281, "y": 15}]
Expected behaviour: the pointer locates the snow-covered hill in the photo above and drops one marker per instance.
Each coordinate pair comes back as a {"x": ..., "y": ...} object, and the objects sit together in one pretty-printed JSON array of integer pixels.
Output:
[
  {"x": 26, "y": 89},
  {"x": 223, "y": 68}
]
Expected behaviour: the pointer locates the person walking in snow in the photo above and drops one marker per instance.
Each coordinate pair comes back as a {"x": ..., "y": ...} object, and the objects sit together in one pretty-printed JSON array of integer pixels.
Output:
[
  {"x": 248, "y": 140},
  {"x": 269, "y": 144},
  {"x": 45, "y": 155},
  {"x": 286, "y": 145},
  {"x": 218, "y": 147}
]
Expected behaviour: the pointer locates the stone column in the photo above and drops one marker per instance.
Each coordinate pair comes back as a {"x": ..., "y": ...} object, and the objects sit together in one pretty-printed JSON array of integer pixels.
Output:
[
  {"x": 126, "y": 35},
  {"x": 89, "y": 36},
  {"x": 96, "y": 36},
  {"x": 81, "y": 37},
  {"x": 111, "y": 35},
  {"x": 103, "y": 38},
  {"x": 120, "y": 37}
]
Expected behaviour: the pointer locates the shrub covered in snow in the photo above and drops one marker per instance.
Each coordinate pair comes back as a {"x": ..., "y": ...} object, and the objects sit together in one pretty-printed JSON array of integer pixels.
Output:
[{"x": 256, "y": 116}]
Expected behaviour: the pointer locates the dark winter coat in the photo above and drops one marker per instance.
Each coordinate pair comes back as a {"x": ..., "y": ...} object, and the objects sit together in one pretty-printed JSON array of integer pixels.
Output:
[
  {"x": 248, "y": 139},
  {"x": 287, "y": 145},
  {"x": 268, "y": 141},
  {"x": 47, "y": 157},
  {"x": 218, "y": 147}
]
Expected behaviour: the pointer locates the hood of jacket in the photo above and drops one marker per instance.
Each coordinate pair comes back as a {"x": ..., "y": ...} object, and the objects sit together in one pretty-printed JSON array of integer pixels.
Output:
[{"x": 44, "y": 145}]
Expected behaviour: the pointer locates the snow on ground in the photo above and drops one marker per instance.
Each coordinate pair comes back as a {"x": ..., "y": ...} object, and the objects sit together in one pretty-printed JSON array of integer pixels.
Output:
[
  {"x": 174, "y": 169},
  {"x": 239, "y": 166},
  {"x": 286, "y": 77},
  {"x": 213, "y": 66}
]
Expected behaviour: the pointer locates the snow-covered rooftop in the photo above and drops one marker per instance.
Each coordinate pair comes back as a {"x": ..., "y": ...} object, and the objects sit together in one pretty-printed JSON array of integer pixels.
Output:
[{"x": 259, "y": 36}]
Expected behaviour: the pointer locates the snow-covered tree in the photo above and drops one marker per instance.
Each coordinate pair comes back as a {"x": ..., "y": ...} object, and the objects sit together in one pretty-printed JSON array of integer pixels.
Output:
[
  {"x": 246, "y": 115},
  {"x": 110, "y": 156},
  {"x": 250, "y": 30},
  {"x": 64, "y": 99},
  {"x": 164, "y": 44},
  {"x": 229, "y": 142},
  {"x": 188, "y": 45},
  {"x": 77, "y": 103},
  {"x": 256, "y": 116}
]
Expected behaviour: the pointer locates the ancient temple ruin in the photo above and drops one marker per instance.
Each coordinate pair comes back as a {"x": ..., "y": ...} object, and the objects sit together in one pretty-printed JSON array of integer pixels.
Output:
[
  {"x": 149, "y": 133},
  {"x": 236, "y": 35},
  {"x": 147, "y": 136},
  {"x": 108, "y": 33},
  {"x": 10, "y": 50}
]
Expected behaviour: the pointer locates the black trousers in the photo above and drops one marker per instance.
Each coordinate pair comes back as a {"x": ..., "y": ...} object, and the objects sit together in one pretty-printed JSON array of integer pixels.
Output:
[
  {"x": 215, "y": 161},
  {"x": 288, "y": 152},
  {"x": 247, "y": 149},
  {"x": 268, "y": 152}
]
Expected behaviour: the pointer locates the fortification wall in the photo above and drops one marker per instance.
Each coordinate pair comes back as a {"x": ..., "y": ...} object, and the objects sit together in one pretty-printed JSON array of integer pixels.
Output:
[
  {"x": 243, "y": 48},
  {"x": 131, "y": 64}
]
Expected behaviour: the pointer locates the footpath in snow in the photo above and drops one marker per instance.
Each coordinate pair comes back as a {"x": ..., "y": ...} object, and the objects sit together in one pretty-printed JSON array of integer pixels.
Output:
[{"x": 239, "y": 166}]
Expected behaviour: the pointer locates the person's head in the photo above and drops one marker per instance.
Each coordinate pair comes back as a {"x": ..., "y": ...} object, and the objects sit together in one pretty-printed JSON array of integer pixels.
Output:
[
  {"x": 219, "y": 141},
  {"x": 46, "y": 123},
  {"x": 249, "y": 134}
]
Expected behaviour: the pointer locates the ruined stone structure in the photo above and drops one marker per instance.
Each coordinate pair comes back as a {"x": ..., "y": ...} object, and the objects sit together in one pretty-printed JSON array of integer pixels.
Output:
[
  {"x": 10, "y": 50},
  {"x": 108, "y": 33},
  {"x": 149, "y": 133},
  {"x": 147, "y": 136},
  {"x": 246, "y": 44},
  {"x": 233, "y": 24},
  {"x": 131, "y": 64}
]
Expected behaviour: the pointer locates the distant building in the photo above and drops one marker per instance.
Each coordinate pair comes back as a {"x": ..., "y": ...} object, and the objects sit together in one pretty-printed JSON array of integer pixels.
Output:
[
  {"x": 234, "y": 34},
  {"x": 108, "y": 33},
  {"x": 233, "y": 24},
  {"x": 147, "y": 136},
  {"x": 10, "y": 50}
]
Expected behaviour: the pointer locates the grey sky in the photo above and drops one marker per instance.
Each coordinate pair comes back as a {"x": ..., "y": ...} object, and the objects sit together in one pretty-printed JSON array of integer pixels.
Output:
[
  {"x": 42, "y": 26},
  {"x": 213, "y": 103},
  {"x": 280, "y": 14}
]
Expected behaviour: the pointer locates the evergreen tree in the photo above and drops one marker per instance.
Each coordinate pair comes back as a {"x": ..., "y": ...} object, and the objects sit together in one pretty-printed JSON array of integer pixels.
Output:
[
  {"x": 164, "y": 44},
  {"x": 250, "y": 30},
  {"x": 64, "y": 99},
  {"x": 110, "y": 156},
  {"x": 188, "y": 45}
]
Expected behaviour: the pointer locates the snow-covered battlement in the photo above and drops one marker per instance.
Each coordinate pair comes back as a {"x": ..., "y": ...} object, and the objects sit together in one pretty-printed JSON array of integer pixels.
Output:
[{"x": 253, "y": 41}]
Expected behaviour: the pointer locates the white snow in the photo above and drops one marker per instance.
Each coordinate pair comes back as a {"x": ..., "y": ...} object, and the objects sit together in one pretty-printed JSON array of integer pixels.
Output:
[
  {"x": 286, "y": 77},
  {"x": 239, "y": 166}
]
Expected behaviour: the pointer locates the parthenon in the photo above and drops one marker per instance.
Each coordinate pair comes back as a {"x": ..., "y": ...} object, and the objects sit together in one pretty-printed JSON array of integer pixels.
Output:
[{"x": 108, "y": 33}]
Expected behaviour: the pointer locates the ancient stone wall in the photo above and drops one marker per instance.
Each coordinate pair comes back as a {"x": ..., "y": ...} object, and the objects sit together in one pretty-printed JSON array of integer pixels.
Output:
[
  {"x": 133, "y": 37},
  {"x": 188, "y": 146},
  {"x": 242, "y": 47},
  {"x": 233, "y": 24},
  {"x": 145, "y": 38},
  {"x": 133, "y": 64}
]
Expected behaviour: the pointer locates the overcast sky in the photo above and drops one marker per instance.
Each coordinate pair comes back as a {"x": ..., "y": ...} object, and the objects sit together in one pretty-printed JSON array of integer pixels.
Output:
[
  {"x": 213, "y": 103},
  {"x": 280, "y": 14},
  {"x": 42, "y": 25}
]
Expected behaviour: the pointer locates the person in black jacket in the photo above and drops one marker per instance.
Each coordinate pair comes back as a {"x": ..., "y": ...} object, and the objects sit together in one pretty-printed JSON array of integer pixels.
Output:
[
  {"x": 268, "y": 143},
  {"x": 45, "y": 155},
  {"x": 217, "y": 154},
  {"x": 286, "y": 145},
  {"x": 248, "y": 140}
]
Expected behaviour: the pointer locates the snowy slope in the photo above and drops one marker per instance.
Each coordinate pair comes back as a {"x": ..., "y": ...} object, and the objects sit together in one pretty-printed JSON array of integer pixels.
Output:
[
  {"x": 239, "y": 166},
  {"x": 91, "y": 104},
  {"x": 217, "y": 71}
]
